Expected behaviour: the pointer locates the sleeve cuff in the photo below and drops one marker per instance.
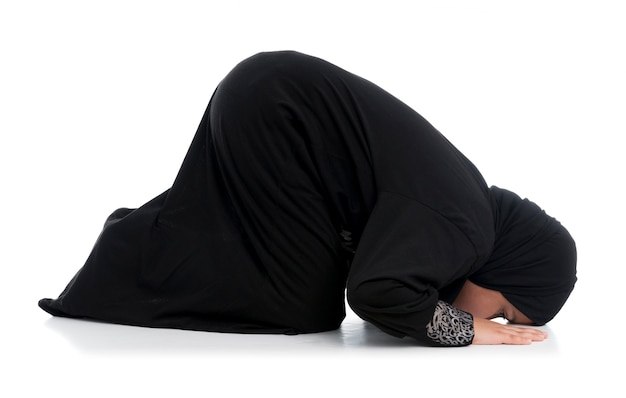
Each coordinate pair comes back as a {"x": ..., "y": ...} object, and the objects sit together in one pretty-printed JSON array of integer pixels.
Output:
[{"x": 450, "y": 326}]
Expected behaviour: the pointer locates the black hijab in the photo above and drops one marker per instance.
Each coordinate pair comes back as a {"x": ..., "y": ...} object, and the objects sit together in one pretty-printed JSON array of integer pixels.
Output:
[{"x": 533, "y": 263}]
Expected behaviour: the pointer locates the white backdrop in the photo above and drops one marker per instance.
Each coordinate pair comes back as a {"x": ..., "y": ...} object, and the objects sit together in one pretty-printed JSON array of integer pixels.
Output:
[{"x": 99, "y": 102}]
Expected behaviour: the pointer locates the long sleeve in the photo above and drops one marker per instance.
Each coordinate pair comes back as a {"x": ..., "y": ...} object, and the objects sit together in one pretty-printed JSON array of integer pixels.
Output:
[{"x": 406, "y": 254}]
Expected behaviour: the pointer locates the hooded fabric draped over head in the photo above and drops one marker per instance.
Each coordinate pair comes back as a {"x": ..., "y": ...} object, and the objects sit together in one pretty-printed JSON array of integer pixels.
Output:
[
  {"x": 533, "y": 263},
  {"x": 305, "y": 181}
]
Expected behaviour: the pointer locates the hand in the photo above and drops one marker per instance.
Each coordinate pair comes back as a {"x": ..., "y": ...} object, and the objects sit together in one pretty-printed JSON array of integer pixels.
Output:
[{"x": 490, "y": 332}]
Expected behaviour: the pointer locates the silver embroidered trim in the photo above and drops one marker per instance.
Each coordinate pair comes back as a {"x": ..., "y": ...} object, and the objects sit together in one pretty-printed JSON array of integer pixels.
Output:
[{"x": 450, "y": 326}]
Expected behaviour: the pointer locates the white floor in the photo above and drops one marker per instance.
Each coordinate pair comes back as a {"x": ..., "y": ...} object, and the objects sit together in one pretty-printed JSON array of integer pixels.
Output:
[
  {"x": 45, "y": 356},
  {"x": 98, "y": 105}
]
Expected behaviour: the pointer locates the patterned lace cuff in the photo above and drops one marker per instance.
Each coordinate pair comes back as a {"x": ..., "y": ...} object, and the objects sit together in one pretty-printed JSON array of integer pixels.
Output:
[{"x": 450, "y": 326}]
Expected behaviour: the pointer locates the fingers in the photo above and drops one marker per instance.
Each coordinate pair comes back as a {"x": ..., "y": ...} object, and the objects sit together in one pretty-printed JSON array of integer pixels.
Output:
[
  {"x": 489, "y": 332},
  {"x": 521, "y": 335}
]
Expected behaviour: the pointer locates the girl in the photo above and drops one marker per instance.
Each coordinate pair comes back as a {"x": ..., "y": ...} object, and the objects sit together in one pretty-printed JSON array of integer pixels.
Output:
[{"x": 304, "y": 184}]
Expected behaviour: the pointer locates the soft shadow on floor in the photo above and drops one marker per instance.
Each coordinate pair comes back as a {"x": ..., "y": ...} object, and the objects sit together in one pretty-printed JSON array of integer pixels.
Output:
[
  {"x": 355, "y": 335},
  {"x": 93, "y": 336}
]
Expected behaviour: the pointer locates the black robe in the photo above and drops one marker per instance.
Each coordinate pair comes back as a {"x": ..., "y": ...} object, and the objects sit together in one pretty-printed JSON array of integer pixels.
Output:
[{"x": 302, "y": 180}]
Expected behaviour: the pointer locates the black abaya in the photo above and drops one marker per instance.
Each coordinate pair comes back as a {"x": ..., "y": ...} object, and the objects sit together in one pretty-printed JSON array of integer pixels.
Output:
[{"x": 302, "y": 180}]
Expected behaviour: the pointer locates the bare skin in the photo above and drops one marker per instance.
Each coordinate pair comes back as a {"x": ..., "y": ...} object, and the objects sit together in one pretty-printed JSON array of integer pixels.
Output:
[{"x": 486, "y": 304}]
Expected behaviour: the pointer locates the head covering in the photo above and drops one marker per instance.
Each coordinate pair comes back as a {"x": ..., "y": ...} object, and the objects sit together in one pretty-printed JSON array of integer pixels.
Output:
[{"x": 533, "y": 263}]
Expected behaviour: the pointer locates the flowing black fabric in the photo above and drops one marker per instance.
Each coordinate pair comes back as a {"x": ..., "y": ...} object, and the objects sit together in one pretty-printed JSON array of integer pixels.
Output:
[{"x": 301, "y": 181}]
